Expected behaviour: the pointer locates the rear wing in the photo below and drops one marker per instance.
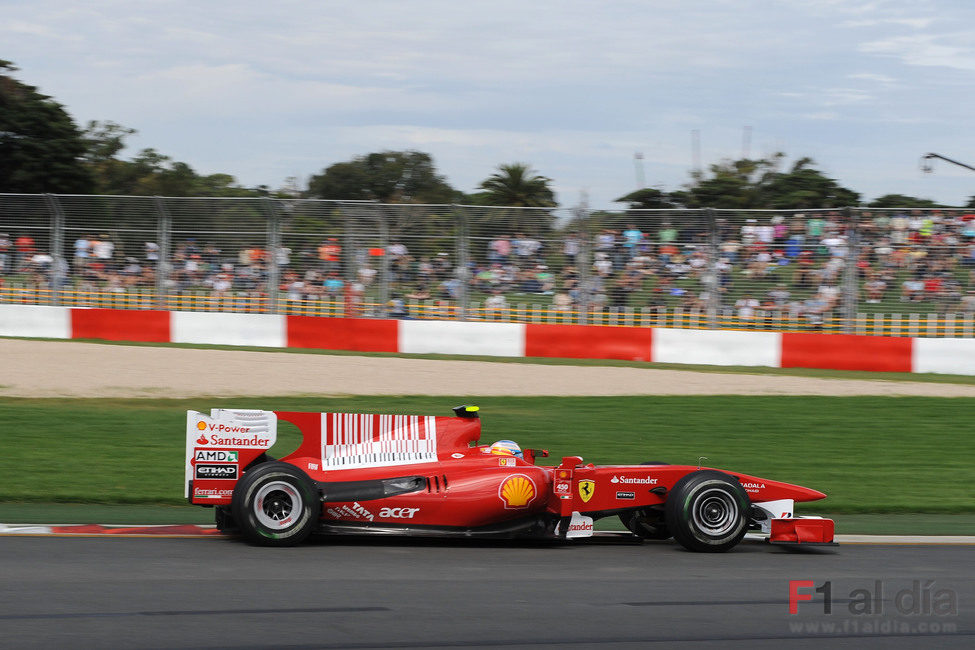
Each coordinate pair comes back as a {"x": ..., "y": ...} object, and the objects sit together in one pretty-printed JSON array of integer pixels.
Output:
[{"x": 220, "y": 445}]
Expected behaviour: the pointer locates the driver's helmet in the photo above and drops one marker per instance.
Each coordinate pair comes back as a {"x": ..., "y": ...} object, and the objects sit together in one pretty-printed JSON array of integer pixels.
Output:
[{"x": 506, "y": 448}]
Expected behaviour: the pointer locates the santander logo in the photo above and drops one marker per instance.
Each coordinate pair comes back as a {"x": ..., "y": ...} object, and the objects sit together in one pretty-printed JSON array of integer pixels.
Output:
[{"x": 230, "y": 440}]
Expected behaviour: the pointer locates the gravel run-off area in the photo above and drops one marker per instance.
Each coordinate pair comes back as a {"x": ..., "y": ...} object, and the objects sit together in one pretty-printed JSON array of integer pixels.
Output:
[{"x": 73, "y": 369}]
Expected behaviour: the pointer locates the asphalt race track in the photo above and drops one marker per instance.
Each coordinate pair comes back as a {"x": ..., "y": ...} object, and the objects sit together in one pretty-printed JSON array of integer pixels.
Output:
[{"x": 402, "y": 593}]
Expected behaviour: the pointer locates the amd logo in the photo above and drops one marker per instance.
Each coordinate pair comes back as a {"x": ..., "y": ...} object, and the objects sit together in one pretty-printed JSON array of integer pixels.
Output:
[{"x": 216, "y": 456}]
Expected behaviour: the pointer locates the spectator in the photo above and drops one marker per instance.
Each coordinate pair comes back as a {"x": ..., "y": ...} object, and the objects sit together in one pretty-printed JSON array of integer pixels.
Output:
[
  {"x": 746, "y": 306},
  {"x": 25, "y": 251},
  {"x": 571, "y": 248},
  {"x": 526, "y": 248},
  {"x": 4, "y": 253},
  {"x": 421, "y": 292},
  {"x": 967, "y": 302},
  {"x": 632, "y": 238},
  {"x": 495, "y": 305},
  {"x": 561, "y": 301},
  {"x": 499, "y": 249},
  {"x": 82, "y": 251},
  {"x": 397, "y": 250},
  {"x": 396, "y": 307},
  {"x": 912, "y": 290},
  {"x": 103, "y": 249},
  {"x": 778, "y": 296},
  {"x": 333, "y": 285},
  {"x": 151, "y": 253},
  {"x": 329, "y": 254},
  {"x": 875, "y": 287}
]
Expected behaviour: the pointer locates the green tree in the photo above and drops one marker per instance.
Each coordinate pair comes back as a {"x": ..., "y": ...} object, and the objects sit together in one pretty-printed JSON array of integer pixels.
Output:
[
  {"x": 517, "y": 185},
  {"x": 757, "y": 184},
  {"x": 901, "y": 201},
  {"x": 387, "y": 177},
  {"x": 647, "y": 198},
  {"x": 802, "y": 187},
  {"x": 41, "y": 148}
]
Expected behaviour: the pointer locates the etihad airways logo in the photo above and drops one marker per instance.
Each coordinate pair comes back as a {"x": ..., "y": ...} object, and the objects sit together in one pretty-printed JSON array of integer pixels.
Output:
[{"x": 634, "y": 481}]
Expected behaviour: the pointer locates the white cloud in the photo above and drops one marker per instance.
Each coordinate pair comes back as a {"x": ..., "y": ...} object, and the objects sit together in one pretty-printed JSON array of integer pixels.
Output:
[
  {"x": 945, "y": 50},
  {"x": 572, "y": 87}
]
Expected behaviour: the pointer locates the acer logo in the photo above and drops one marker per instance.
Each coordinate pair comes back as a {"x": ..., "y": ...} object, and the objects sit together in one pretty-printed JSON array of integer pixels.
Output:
[{"x": 398, "y": 513}]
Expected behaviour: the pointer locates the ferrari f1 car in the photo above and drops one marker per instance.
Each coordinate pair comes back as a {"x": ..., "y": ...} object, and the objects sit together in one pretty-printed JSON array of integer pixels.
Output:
[{"x": 427, "y": 475}]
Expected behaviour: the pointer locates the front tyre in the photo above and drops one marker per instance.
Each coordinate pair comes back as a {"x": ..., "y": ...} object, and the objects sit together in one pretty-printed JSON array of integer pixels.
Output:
[
  {"x": 707, "y": 511},
  {"x": 275, "y": 504}
]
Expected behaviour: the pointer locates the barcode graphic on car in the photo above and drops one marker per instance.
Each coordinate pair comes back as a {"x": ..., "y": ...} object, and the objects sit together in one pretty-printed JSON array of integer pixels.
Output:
[{"x": 351, "y": 440}]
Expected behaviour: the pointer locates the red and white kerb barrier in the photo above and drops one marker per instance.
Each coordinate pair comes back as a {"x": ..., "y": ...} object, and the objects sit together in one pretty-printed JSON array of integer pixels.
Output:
[{"x": 710, "y": 347}]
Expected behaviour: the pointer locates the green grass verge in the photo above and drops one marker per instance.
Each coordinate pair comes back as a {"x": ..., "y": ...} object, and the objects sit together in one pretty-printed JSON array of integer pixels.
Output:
[{"x": 869, "y": 454}]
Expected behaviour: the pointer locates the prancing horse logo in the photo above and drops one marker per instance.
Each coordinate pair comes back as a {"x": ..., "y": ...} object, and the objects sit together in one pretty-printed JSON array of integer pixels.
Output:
[{"x": 586, "y": 489}]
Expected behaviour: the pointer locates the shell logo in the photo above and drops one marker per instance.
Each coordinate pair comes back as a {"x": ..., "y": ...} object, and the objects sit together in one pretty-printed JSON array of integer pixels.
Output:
[
  {"x": 517, "y": 491},
  {"x": 201, "y": 426}
]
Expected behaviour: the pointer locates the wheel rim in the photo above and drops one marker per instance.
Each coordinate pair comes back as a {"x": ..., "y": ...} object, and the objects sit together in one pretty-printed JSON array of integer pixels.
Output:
[
  {"x": 277, "y": 505},
  {"x": 715, "y": 512}
]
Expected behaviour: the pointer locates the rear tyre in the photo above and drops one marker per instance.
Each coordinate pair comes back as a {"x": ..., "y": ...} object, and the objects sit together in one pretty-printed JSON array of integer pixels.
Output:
[
  {"x": 707, "y": 511},
  {"x": 275, "y": 504}
]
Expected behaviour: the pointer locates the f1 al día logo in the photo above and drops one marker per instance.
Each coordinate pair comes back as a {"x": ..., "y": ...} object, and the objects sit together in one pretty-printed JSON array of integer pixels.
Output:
[{"x": 920, "y": 598}]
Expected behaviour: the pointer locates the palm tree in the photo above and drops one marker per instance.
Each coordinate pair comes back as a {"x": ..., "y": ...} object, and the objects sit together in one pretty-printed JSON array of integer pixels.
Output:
[{"x": 517, "y": 185}]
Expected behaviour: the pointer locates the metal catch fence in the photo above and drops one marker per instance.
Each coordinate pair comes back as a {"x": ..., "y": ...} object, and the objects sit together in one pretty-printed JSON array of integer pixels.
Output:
[{"x": 903, "y": 272}]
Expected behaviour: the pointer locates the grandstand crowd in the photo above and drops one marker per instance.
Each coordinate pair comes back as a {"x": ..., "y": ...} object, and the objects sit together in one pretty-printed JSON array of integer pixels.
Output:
[{"x": 796, "y": 263}]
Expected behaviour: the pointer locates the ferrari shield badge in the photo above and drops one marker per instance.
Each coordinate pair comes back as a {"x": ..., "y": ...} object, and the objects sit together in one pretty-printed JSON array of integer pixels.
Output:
[{"x": 586, "y": 489}]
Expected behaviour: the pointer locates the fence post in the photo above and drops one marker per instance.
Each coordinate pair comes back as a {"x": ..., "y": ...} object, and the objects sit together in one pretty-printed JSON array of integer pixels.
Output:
[
  {"x": 164, "y": 228},
  {"x": 384, "y": 279},
  {"x": 57, "y": 273},
  {"x": 850, "y": 280},
  {"x": 714, "y": 286},
  {"x": 272, "y": 246},
  {"x": 463, "y": 251},
  {"x": 585, "y": 261}
]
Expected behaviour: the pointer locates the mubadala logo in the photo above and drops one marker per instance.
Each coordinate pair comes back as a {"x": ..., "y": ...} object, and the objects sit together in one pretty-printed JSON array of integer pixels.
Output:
[
  {"x": 398, "y": 513},
  {"x": 634, "y": 481},
  {"x": 753, "y": 486},
  {"x": 216, "y": 456}
]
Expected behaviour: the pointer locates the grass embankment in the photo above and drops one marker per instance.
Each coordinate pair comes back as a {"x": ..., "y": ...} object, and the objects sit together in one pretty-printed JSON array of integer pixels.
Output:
[{"x": 869, "y": 454}]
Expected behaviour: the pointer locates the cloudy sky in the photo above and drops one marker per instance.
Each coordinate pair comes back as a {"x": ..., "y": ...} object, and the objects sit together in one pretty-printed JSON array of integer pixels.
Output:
[{"x": 268, "y": 90}]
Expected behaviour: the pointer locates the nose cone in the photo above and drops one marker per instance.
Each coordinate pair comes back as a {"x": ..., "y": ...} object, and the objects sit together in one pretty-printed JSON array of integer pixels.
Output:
[{"x": 807, "y": 494}]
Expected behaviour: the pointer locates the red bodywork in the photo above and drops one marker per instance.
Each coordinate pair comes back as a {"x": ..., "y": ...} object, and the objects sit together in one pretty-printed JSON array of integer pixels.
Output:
[{"x": 458, "y": 486}]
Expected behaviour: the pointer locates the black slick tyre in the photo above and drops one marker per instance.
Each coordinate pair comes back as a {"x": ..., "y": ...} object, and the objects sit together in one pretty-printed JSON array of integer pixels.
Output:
[
  {"x": 707, "y": 511},
  {"x": 275, "y": 504}
]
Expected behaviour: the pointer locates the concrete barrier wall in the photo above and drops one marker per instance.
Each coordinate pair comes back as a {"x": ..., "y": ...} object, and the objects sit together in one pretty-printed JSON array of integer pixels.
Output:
[
  {"x": 261, "y": 330},
  {"x": 686, "y": 346},
  {"x": 34, "y": 321}
]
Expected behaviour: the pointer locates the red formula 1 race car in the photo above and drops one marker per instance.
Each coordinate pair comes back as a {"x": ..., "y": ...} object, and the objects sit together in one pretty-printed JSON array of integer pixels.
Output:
[{"x": 426, "y": 475}]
